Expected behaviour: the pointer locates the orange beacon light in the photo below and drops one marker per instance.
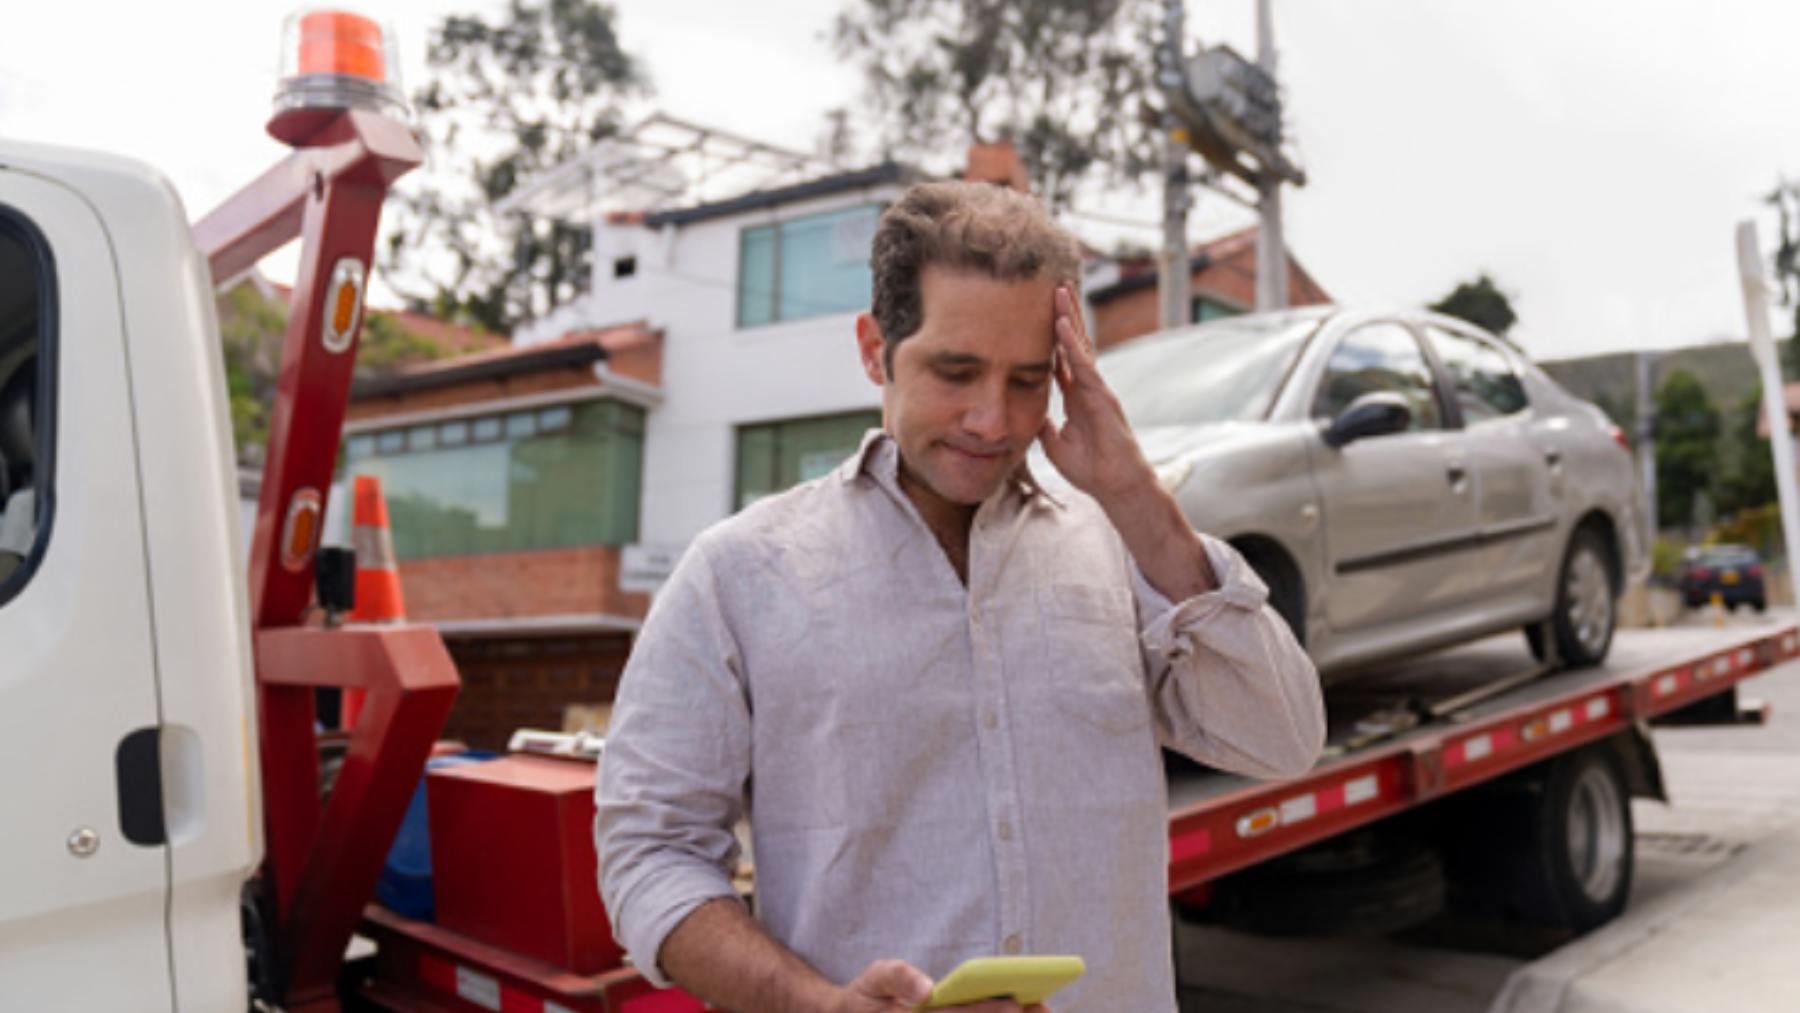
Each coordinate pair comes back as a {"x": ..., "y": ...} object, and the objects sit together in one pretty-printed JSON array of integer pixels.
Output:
[{"x": 332, "y": 60}]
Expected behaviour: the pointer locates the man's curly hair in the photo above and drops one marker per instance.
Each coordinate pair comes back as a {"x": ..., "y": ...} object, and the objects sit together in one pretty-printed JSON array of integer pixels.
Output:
[{"x": 976, "y": 227}]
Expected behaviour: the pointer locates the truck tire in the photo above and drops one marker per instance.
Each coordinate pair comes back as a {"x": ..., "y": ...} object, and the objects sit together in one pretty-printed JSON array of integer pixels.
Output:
[
  {"x": 1369, "y": 883},
  {"x": 1551, "y": 847},
  {"x": 1586, "y": 608}
]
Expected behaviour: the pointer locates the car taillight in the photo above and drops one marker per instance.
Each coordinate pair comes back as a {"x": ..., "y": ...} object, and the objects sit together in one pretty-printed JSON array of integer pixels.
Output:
[
  {"x": 1621, "y": 439},
  {"x": 1701, "y": 573},
  {"x": 1753, "y": 570}
]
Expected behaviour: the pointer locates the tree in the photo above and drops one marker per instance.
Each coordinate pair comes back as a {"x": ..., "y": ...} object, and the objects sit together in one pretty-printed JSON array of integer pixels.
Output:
[
  {"x": 1064, "y": 80},
  {"x": 1749, "y": 480},
  {"x": 504, "y": 102},
  {"x": 1481, "y": 303},
  {"x": 1687, "y": 436}
]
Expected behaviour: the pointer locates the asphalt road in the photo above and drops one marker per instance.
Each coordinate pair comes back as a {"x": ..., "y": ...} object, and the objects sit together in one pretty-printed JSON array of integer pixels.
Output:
[{"x": 1728, "y": 787}]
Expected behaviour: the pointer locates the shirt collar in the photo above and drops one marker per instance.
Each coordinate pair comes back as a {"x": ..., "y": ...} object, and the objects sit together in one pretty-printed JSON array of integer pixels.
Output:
[{"x": 879, "y": 458}]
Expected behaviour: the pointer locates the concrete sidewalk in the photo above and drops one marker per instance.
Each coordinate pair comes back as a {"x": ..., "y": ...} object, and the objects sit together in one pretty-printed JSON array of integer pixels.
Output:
[{"x": 1728, "y": 940}]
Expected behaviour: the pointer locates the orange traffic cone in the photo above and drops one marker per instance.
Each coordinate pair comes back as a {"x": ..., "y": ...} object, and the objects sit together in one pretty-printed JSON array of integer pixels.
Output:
[{"x": 377, "y": 572}]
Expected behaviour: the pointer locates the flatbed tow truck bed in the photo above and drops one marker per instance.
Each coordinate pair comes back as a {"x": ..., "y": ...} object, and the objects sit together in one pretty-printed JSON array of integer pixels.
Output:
[
  {"x": 1376, "y": 766},
  {"x": 1378, "y": 763}
]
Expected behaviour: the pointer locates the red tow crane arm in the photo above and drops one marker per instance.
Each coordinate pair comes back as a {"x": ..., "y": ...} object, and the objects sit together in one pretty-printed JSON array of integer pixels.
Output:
[{"x": 323, "y": 861}]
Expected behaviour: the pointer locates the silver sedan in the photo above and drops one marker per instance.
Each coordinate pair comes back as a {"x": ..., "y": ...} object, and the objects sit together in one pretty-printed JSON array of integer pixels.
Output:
[{"x": 1401, "y": 479}]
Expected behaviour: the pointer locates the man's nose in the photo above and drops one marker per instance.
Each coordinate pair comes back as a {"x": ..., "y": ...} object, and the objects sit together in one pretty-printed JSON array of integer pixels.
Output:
[{"x": 985, "y": 416}]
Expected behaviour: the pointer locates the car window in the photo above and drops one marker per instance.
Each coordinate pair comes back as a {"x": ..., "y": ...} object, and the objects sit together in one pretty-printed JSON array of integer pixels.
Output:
[
  {"x": 1221, "y": 371},
  {"x": 1729, "y": 555},
  {"x": 1486, "y": 385},
  {"x": 1381, "y": 356}
]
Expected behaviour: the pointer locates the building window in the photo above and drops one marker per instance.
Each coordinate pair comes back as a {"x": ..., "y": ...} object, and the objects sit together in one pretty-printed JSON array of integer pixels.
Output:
[
  {"x": 773, "y": 456},
  {"x": 807, "y": 267},
  {"x": 1207, "y": 308},
  {"x": 543, "y": 479}
]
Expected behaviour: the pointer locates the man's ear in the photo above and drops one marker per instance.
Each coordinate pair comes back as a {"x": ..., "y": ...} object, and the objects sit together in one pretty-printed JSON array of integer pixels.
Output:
[{"x": 870, "y": 346}]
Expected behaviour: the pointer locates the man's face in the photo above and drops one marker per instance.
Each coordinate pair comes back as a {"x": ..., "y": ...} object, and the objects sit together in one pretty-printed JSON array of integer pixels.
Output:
[{"x": 970, "y": 388}]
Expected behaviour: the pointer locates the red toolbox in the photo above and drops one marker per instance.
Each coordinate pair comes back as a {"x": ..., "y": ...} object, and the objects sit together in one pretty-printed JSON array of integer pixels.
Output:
[{"x": 512, "y": 854}]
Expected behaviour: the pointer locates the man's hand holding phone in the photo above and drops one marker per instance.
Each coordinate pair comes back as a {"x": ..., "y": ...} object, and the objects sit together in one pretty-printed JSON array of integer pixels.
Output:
[{"x": 981, "y": 985}]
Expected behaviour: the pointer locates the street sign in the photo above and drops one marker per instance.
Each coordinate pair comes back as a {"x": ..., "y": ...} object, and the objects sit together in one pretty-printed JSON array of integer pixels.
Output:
[{"x": 644, "y": 568}]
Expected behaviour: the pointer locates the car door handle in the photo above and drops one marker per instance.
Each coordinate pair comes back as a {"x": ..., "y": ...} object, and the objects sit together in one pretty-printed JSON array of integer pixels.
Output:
[
  {"x": 1553, "y": 457},
  {"x": 1456, "y": 473},
  {"x": 138, "y": 769}
]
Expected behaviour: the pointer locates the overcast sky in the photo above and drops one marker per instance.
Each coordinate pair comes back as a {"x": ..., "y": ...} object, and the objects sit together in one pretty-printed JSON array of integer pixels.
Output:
[{"x": 1593, "y": 155}]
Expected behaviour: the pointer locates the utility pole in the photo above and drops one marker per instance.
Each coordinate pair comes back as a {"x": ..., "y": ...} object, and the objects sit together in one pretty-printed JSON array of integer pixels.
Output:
[
  {"x": 1646, "y": 436},
  {"x": 1271, "y": 250},
  {"x": 1768, "y": 363},
  {"x": 1173, "y": 276}
]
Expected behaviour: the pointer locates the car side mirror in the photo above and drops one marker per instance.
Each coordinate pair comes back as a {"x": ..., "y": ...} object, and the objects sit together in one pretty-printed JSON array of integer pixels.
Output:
[{"x": 1376, "y": 413}]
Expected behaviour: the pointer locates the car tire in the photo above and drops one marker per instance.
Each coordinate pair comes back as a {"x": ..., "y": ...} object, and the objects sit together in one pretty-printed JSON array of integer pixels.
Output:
[
  {"x": 1760, "y": 605},
  {"x": 1287, "y": 594},
  {"x": 1587, "y": 607}
]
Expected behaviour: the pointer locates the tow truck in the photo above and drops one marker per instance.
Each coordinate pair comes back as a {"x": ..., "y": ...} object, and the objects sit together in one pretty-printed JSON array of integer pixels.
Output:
[{"x": 167, "y": 843}]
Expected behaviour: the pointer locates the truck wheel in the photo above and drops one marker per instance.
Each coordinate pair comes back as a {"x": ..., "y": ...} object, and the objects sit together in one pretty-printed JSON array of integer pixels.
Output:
[
  {"x": 1586, "y": 602},
  {"x": 1552, "y": 847}
]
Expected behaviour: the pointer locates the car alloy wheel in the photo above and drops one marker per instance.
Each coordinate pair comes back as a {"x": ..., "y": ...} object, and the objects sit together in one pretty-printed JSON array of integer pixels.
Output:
[{"x": 1589, "y": 599}]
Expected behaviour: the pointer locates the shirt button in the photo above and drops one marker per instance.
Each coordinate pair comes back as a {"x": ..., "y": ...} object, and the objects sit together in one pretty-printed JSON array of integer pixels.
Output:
[
  {"x": 1005, "y": 831},
  {"x": 1013, "y": 945},
  {"x": 990, "y": 720}
]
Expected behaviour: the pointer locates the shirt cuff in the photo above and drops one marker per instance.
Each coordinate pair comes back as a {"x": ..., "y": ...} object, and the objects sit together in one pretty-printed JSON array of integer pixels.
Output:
[
  {"x": 659, "y": 905},
  {"x": 1167, "y": 629}
]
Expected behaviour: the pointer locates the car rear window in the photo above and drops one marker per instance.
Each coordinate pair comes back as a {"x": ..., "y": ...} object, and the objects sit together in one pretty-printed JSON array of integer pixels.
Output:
[
  {"x": 1226, "y": 370},
  {"x": 1728, "y": 556}
]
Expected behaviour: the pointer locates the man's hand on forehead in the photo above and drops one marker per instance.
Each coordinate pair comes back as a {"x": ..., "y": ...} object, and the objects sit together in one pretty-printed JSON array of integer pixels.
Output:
[{"x": 1094, "y": 447}]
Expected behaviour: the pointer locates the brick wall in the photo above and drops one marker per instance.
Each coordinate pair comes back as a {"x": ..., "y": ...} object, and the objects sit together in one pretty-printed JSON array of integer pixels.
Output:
[
  {"x": 509, "y": 683},
  {"x": 472, "y": 392},
  {"x": 1231, "y": 279},
  {"x": 505, "y": 585}
]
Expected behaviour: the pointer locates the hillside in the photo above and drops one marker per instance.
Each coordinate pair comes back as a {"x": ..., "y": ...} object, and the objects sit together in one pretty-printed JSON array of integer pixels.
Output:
[{"x": 1726, "y": 370}]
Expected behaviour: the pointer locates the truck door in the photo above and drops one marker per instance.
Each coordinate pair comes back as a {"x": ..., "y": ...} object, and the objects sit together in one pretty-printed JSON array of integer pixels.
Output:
[
  {"x": 1399, "y": 513},
  {"x": 83, "y": 874}
]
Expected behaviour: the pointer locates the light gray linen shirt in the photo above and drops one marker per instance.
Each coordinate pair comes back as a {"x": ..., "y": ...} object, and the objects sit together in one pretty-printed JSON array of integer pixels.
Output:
[{"x": 934, "y": 772}]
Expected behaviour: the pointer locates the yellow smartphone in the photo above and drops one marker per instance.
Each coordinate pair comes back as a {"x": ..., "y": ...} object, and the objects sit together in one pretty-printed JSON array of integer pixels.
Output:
[{"x": 1024, "y": 980}]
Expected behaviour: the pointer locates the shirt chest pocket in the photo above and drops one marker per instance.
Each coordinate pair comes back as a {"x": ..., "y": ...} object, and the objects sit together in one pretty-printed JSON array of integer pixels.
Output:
[{"x": 1092, "y": 666}]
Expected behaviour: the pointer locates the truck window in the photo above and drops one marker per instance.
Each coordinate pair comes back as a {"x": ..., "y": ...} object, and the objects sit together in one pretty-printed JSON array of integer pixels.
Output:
[{"x": 26, "y": 324}]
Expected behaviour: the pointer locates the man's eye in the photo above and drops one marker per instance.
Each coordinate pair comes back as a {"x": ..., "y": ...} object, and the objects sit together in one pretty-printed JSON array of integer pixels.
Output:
[
  {"x": 1029, "y": 383},
  {"x": 956, "y": 375}
]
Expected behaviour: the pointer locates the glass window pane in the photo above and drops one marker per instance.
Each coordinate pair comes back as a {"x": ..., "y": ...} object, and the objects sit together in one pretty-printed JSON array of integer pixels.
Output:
[
  {"x": 393, "y": 441},
  {"x": 577, "y": 486},
  {"x": 486, "y": 429},
  {"x": 520, "y": 424},
  {"x": 774, "y": 456},
  {"x": 551, "y": 419},
  {"x": 453, "y": 434},
  {"x": 1486, "y": 386},
  {"x": 359, "y": 446},
  {"x": 26, "y": 463},
  {"x": 756, "y": 276},
  {"x": 421, "y": 438},
  {"x": 1379, "y": 357},
  {"x": 825, "y": 263}
]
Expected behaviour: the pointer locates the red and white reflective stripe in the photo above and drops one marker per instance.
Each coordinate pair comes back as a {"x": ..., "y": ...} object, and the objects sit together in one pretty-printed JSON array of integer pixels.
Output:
[
  {"x": 1787, "y": 644},
  {"x": 1300, "y": 808},
  {"x": 1484, "y": 744},
  {"x": 480, "y": 989}
]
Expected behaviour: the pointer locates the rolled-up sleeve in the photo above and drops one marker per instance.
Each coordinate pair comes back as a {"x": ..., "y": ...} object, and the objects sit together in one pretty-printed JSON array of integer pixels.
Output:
[
  {"x": 672, "y": 775},
  {"x": 1229, "y": 684}
]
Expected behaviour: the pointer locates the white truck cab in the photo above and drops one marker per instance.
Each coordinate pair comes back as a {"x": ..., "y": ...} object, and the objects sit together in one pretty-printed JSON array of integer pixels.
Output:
[{"x": 127, "y": 751}]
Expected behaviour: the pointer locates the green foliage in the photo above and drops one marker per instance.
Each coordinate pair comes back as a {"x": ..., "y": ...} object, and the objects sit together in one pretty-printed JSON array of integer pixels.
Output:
[
  {"x": 1481, "y": 303},
  {"x": 252, "y": 329},
  {"x": 1063, "y": 79},
  {"x": 1759, "y": 528},
  {"x": 504, "y": 101},
  {"x": 1666, "y": 556},
  {"x": 1749, "y": 467},
  {"x": 1687, "y": 432}
]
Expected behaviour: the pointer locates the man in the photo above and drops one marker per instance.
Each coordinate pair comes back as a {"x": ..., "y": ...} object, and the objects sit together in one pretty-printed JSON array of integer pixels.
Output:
[{"x": 938, "y": 690}]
